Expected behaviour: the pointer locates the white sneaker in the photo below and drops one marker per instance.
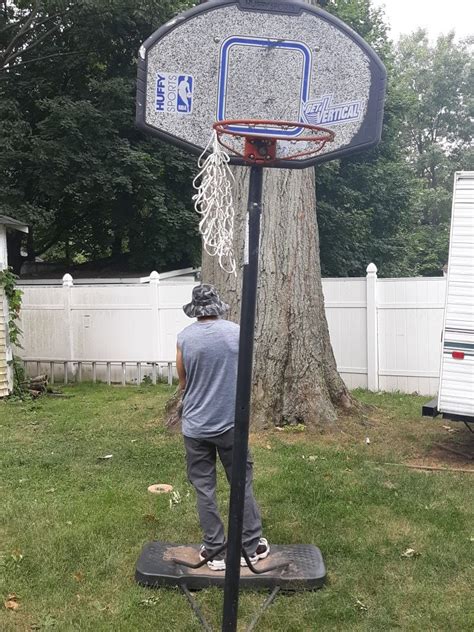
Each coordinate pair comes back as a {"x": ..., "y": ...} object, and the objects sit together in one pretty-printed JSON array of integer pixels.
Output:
[
  {"x": 216, "y": 564},
  {"x": 263, "y": 551}
]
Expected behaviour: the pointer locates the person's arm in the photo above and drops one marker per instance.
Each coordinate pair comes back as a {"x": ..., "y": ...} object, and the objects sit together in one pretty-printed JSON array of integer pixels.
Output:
[{"x": 180, "y": 369}]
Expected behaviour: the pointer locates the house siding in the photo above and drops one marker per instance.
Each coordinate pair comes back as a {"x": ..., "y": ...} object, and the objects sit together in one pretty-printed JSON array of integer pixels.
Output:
[{"x": 3, "y": 346}]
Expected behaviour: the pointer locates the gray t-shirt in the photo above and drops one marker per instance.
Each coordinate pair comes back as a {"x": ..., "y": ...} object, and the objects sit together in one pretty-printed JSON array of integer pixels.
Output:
[{"x": 210, "y": 353}]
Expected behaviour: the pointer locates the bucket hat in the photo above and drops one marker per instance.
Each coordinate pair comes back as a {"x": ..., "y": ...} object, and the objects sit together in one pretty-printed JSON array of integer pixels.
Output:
[{"x": 205, "y": 302}]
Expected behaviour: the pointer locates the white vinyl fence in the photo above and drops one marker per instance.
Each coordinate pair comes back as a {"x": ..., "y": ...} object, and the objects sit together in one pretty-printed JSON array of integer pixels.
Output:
[{"x": 385, "y": 333}]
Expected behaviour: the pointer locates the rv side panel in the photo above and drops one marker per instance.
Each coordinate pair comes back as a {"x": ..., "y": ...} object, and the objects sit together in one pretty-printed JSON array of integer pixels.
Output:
[{"x": 456, "y": 390}]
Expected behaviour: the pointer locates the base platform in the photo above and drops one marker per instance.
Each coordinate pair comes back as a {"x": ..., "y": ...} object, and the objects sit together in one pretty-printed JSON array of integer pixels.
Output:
[{"x": 305, "y": 568}]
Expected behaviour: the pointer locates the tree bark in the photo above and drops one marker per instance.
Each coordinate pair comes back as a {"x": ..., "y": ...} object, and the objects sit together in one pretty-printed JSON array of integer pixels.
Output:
[{"x": 295, "y": 375}]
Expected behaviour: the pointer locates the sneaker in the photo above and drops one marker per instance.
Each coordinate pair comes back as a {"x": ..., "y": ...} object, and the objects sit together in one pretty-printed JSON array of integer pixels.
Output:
[
  {"x": 263, "y": 551},
  {"x": 216, "y": 564}
]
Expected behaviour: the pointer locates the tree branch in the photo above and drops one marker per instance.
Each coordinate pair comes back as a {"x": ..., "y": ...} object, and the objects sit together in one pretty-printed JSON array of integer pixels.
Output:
[
  {"x": 30, "y": 46},
  {"x": 30, "y": 61},
  {"x": 22, "y": 31}
]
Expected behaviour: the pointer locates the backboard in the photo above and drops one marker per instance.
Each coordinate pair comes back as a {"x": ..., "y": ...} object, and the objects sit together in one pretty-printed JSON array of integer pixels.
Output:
[{"x": 260, "y": 59}]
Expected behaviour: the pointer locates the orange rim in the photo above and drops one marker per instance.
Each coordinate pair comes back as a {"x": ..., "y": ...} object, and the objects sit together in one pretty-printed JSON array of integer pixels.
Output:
[{"x": 319, "y": 136}]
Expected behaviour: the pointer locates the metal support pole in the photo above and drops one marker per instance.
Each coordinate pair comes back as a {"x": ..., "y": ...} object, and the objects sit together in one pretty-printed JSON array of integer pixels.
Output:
[{"x": 242, "y": 405}]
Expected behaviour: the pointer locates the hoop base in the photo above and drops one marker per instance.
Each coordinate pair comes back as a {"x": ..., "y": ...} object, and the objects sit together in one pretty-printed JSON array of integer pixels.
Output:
[{"x": 155, "y": 567}]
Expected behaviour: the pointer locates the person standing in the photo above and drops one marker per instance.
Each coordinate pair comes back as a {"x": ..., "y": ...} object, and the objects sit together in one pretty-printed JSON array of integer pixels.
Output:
[{"x": 206, "y": 361}]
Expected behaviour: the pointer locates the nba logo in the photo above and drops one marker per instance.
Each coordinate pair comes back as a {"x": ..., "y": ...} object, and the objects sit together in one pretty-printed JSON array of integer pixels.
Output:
[{"x": 185, "y": 94}]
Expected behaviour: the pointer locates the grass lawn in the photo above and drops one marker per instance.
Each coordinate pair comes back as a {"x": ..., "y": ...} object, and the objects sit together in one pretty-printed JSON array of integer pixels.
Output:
[{"x": 72, "y": 525}]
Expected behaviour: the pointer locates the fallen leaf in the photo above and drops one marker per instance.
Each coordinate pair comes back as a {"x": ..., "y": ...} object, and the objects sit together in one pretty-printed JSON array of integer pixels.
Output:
[
  {"x": 410, "y": 553},
  {"x": 79, "y": 576},
  {"x": 175, "y": 498},
  {"x": 268, "y": 446},
  {"x": 11, "y": 602},
  {"x": 151, "y": 601},
  {"x": 361, "y": 606},
  {"x": 17, "y": 555}
]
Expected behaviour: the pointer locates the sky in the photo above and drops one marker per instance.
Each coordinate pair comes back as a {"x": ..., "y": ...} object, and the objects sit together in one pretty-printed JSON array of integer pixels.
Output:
[{"x": 437, "y": 16}]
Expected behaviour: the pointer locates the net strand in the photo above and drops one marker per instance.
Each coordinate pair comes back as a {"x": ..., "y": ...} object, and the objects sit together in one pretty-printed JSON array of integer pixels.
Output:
[{"x": 214, "y": 203}]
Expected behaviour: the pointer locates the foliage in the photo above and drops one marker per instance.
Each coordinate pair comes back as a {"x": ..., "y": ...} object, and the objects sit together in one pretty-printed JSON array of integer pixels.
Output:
[
  {"x": 435, "y": 86},
  {"x": 364, "y": 203},
  {"x": 92, "y": 188},
  {"x": 13, "y": 296},
  {"x": 20, "y": 383},
  {"x": 74, "y": 167}
]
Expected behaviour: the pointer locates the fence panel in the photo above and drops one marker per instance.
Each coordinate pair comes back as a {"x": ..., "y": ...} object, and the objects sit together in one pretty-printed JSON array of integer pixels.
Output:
[
  {"x": 346, "y": 313},
  {"x": 385, "y": 333},
  {"x": 410, "y": 322},
  {"x": 44, "y": 323}
]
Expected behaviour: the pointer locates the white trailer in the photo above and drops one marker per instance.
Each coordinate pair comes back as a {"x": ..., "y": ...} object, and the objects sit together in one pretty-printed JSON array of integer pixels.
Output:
[{"x": 456, "y": 384}]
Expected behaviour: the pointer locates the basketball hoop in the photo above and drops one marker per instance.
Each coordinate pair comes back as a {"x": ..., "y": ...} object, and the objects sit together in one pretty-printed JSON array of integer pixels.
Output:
[
  {"x": 259, "y": 139},
  {"x": 257, "y": 146},
  {"x": 234, "y": 61}
]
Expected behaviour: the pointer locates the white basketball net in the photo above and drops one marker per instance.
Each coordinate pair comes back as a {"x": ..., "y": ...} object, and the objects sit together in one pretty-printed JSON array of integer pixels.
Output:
[{"x": 213, "y": 201}]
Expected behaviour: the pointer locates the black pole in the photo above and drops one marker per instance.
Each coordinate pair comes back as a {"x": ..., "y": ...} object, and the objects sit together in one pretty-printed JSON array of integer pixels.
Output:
[{"x": 242, "y": 404}]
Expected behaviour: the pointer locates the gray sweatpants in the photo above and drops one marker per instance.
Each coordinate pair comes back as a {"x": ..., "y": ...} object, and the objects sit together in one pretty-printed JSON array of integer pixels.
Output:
[{"x": 201, "y": 468}]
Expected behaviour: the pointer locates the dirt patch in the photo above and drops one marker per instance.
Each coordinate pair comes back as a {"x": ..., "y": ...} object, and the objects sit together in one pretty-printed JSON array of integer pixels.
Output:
[
  {"x": 412, "y": 440},
  {"x": 454, "y": 449}
]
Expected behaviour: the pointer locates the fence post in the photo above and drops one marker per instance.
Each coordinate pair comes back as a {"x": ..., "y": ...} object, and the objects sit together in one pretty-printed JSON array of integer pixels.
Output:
[
  {"x": 156, "y": 332},
  {"x": 67, "y": 288},
  {"x": 372, "y": 329}
]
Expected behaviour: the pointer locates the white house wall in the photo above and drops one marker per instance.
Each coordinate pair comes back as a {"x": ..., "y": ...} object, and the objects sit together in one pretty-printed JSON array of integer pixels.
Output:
[{"x": 4, "y": 372}]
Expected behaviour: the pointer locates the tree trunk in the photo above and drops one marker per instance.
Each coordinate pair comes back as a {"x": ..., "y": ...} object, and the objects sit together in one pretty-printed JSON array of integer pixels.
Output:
[{"x": 295, "y": 375}]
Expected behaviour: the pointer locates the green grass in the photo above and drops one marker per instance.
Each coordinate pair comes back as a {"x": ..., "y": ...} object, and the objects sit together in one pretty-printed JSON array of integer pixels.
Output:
[{"x": 72, "y": 525}]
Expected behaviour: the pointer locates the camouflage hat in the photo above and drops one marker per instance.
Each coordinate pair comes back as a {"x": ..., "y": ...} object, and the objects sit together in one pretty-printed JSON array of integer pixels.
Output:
[{"x": 206, "y": 302}]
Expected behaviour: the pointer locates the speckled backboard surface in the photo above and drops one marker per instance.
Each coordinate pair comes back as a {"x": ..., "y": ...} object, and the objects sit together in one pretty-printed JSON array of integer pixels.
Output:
[{"x": 260, "y": 59}]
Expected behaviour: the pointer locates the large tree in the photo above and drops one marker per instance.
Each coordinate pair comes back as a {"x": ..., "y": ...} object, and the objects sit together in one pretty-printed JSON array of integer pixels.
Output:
[{"x": 295, "y": 373}]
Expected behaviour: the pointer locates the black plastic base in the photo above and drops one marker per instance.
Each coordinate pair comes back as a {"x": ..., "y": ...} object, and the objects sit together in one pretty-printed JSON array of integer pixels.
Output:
[{"x": 305, "y": 570}]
